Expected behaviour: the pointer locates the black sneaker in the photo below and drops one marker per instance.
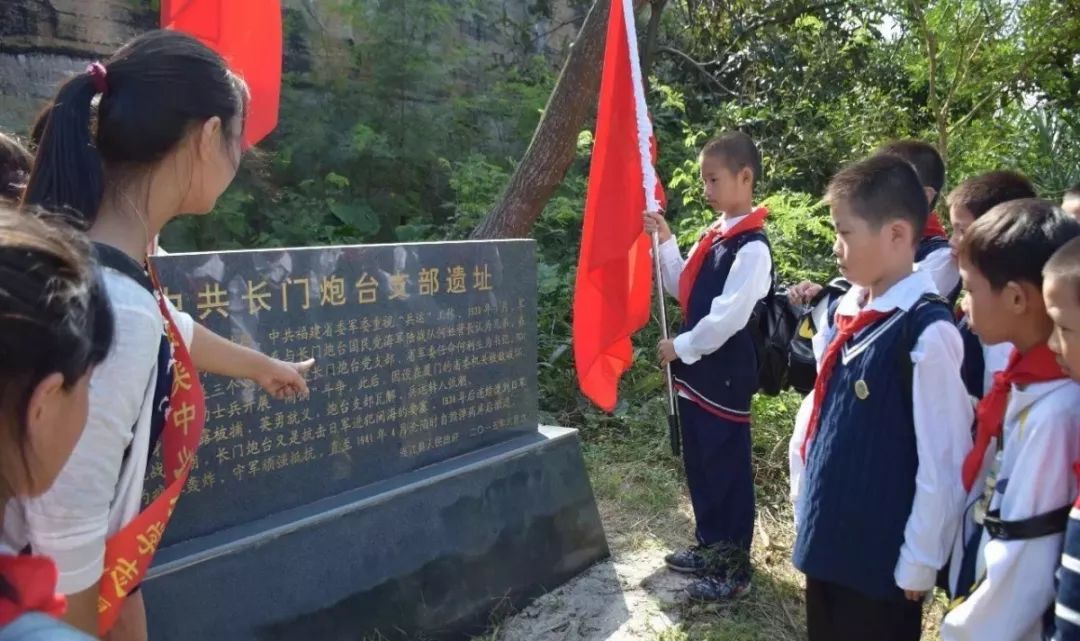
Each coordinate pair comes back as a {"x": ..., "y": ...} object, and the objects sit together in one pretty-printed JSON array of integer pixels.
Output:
[
  {"x": 688, "y": 561},
  {"x": 713, "y": 589}
]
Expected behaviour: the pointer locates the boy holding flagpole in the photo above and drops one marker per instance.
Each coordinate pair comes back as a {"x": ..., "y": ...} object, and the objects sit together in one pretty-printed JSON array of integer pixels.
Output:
[{"x": 714, "y": 364}]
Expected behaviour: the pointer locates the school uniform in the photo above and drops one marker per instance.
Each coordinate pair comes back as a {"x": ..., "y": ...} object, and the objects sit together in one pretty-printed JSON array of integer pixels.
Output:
[
  {"x": 874, "y": 460},
  {"x": 934, "y": 256},
  {"x": 1011, "y": 581},
  {"x": 1067, "y": 604},
  {"x": 981, "y": 361},
  {"x": 716, "y": 376}
]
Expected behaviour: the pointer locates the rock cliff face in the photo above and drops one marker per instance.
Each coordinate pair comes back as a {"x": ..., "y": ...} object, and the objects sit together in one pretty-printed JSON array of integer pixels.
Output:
[{"x": 43, "y": 41}]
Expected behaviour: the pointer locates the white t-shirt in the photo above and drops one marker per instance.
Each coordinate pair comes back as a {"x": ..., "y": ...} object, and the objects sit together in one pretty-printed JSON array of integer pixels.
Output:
[{"x": 99, "y": 490}]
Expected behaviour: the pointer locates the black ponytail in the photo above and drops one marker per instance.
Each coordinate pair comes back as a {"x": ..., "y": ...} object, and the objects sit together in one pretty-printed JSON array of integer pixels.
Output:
[
  {"x": 67, "y": 175},
  {"x": 105, "y": 126}
]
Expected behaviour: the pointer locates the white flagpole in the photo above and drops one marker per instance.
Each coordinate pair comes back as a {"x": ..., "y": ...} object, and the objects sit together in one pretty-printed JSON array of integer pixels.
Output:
[{"x": 649, "y": 184}]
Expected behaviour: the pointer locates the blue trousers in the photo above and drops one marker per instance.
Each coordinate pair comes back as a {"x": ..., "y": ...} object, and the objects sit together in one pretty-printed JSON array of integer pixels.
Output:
[{"x": 716, "y": 454}]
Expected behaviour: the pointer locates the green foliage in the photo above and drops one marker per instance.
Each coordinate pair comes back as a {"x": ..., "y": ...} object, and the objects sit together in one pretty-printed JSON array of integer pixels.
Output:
[
  {"x": 410, "y": 130},
  {"x": 389, "y": 135}
]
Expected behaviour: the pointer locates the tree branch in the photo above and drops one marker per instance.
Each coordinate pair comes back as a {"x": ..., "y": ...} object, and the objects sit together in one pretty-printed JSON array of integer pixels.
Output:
[
  {"x": 974, "y": 110},
  {"x": 965, "y": 64},
  {"x": 699, "y": 66}
]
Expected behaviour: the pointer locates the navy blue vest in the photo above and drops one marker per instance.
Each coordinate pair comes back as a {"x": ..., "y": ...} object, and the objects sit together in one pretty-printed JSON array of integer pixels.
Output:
[
  {"x": 973, "y": 369},
  {"x": 861, "y": 465},
  {"x": 928, "y": 246},
  {"x": 724, "y": 381}
]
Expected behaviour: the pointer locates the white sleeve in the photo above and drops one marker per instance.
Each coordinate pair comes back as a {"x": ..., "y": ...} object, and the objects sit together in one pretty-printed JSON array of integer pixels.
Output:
[
  {"x": 70, "y": 522},
  {"x": 943, "y": 418},
  {"x": 796, "y": 464},
  {"x": 1019, "y": 584},
  {"x": 942, "y": 268},
  {"x": 747, "y": 283},
  {"x": 671, "y": 264}
]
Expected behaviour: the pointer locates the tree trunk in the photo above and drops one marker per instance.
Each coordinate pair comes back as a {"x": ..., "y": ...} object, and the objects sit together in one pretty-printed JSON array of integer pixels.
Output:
[
  {"x": 652, "y": 33},
  {"x": 554, "y": 143}
]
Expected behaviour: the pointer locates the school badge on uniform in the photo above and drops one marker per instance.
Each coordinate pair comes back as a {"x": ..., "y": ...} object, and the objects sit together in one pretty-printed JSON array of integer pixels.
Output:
[{"x": 861, "y": 390}]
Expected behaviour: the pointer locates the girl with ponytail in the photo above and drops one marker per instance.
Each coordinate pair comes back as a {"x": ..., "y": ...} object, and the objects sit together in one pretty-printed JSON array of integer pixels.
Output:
[{"x": 151, "y": 134}]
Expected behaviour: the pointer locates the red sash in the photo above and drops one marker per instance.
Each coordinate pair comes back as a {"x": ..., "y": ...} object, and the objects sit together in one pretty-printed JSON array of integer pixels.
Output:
[{"x": 128, "y": 553}]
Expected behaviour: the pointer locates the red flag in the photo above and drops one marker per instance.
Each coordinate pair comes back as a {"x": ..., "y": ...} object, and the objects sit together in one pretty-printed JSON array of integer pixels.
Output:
[
  {"x": 614, "y": 276},
  {"x": 248, "y": 35}
]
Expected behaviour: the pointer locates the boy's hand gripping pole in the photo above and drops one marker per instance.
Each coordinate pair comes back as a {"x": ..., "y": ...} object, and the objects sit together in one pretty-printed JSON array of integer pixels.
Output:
[{"x": 674, "y": 434}]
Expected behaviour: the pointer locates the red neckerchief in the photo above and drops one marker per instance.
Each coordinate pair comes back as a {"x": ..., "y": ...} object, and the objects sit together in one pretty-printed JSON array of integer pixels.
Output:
[
  {"x": 934, "y": 228},
  {"x": 753, "y": 221},
  {"x": 846, "y": 328},
  {"x": 31, "y": 581},
  {"x": 1038, "y": 365}
]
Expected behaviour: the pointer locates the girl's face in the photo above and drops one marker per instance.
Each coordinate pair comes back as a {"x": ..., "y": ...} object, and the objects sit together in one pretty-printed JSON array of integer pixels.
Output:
[
  {"x": 214, "y": 152},
  {"x": 55, "y": 418}
]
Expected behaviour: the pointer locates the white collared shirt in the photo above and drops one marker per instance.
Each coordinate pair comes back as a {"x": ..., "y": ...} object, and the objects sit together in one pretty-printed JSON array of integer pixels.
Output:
[
  {"x": 942, "y": 417},
  {"x": 746, "y": 284},
  {"x": 1034, "y": 476},
  {"x": 942, "y": 268}
]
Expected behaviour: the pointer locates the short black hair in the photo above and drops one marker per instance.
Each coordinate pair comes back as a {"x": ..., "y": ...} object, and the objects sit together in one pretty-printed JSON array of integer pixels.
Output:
[
  {"x": 924, "y": 157},
  {"x": 881, "y": 189},
  {"x": 1014, "y": 240},
  {"x": 980, "y": 193},
  {"x": 737, "y": 150},
  {"x": 1065, "y": 265}
]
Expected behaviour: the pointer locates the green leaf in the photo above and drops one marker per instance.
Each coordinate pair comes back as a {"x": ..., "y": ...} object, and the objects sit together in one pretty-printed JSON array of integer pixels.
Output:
[{"x": 357, "y": 215}]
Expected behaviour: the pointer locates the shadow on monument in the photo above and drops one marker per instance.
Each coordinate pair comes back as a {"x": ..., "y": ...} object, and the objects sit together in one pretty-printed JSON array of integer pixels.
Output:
[{"x": 450, "y": 598}]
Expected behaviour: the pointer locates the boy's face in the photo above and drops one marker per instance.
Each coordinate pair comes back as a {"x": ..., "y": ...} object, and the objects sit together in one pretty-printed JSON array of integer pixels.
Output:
[
  {"x": 1063, "y": 306},
  {"x": 988, "y": 310},
  {"x": 725, "y": 189},
  {"x": 1071, "y": 205},
  {"x": 961, "y": 218},
  {"x": 861, "y": 251}
]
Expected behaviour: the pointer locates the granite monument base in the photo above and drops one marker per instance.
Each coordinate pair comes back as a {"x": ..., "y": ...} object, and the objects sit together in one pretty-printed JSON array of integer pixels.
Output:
[{"x": 430, "y": 554}]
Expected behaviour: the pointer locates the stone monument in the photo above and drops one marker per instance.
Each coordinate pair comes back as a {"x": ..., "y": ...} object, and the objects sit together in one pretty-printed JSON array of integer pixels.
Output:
[{"x": 413, "y": 494}]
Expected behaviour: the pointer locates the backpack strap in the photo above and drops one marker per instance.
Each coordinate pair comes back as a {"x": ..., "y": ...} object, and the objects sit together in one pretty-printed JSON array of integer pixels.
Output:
[
  {"x": 113, "y": 258},
  {"x": 1033, "y": 527}
]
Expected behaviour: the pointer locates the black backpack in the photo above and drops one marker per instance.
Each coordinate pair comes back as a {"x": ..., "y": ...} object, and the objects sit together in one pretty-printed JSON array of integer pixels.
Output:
[
  {"x": 772, "y": 325},
  {"x": 802, "y": 366}
]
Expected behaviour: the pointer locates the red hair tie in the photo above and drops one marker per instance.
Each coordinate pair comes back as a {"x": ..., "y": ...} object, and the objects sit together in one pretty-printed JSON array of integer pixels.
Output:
[{"x": 98, "y": 75}]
